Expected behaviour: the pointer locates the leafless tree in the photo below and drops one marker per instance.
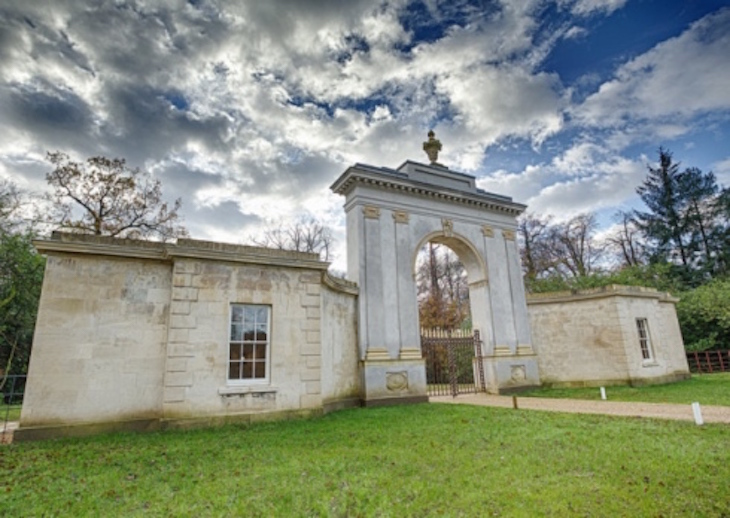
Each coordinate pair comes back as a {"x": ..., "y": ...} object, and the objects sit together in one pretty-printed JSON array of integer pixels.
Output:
[
  {"x": 536, "y": 251},
  {"x": 576, "y": 251},
  {"x": 11, "y": 200},
  {"x": 626, "y": 241},
  {"x": 113, "y": 199},
  {"x": 306, "y": 235}
]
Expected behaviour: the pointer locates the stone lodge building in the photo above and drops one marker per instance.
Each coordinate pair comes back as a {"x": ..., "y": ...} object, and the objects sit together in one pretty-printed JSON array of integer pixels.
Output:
[{"x": 143, "y": 335}]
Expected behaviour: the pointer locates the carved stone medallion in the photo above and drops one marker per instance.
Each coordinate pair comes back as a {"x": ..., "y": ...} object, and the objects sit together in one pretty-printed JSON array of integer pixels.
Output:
[
  {"x": 396, "y": 381},
  {"x": 518, "y": 373}
]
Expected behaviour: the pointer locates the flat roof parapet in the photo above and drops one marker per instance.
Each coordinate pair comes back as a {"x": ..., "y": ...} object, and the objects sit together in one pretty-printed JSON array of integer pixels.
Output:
[
  {"x": 77, "y": 237},
  {"x": 66, "y": 242},
  {"x": 612, "y": 290}
]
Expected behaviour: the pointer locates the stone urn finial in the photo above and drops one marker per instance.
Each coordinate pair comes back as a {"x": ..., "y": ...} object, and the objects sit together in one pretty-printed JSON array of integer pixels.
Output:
[{"x": 432, "y": 147}]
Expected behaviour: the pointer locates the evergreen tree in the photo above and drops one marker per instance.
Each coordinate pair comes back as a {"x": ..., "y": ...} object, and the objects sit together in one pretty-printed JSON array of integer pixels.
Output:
[
  {"x": 702, "y": 218},
  {"x": 664, "y": 225}
]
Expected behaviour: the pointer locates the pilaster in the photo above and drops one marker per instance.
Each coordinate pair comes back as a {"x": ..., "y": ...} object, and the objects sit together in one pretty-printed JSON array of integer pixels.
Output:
[
  {"x": 310, "y": 370},
  {"x": 178, "y": 377}
]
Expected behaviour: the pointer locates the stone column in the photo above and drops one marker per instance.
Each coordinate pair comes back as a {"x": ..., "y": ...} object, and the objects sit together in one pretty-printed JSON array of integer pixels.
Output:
[
  {"x": 519, "y": 301},
  {"x": 371, "y": 297},
  {"x": 505, "y": 341},
  {"x": 410, "y": 335}
]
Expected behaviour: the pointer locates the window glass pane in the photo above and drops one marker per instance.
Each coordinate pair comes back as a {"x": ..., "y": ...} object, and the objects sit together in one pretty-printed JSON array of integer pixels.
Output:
[
  {"x": 235, "y": 352},
  {"x": 260, "y": 369},
  {"x": 261, "y": 314},
  {"x": 234, "y": 371},
  {"x": 261, "y": 351},
  {"x": 248, "y": 351},
  {"x": 247, "y": 370},
  {"x": 249, "y": 314},
  {"x": 236, "y": 331},
  {"x": 261, "y": 332},
  {"x": 249, "y": 331},
  {"x": 236, "y": 313}
]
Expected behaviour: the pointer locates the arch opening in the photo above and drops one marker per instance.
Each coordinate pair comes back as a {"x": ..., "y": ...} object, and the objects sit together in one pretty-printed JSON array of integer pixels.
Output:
[
  {"x": 442, "y": 289},
  {"x": 443, "y": 270}
]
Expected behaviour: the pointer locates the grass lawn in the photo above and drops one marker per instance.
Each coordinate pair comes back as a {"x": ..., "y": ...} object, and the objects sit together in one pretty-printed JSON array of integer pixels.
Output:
[
  {"x": 9, "y": 412},
  {"x": 708, "y": 389},
  {"x": 419, "y": 460}
]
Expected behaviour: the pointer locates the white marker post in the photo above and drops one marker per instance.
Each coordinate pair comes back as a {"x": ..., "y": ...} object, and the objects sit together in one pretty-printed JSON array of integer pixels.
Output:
[
  {"x": 603, "y": 393},
  {"x": 698, "y": 414}
]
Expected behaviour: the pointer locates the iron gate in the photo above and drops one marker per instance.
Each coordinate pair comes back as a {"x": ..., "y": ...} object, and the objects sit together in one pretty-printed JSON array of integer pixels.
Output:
[{"x": 453, "y": 362}]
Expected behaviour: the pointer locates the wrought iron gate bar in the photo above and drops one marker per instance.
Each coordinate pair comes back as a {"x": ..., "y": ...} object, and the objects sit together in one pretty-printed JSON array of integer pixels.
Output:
[{"x": 453, "y": 362}]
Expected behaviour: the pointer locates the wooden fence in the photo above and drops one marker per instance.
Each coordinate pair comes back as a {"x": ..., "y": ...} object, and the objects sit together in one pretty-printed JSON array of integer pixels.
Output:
[{"x": 704, "y": 362}]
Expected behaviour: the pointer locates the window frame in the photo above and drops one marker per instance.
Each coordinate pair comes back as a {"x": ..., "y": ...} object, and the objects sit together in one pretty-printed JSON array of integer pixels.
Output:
[
  {"x": 266, "y": 380},
  {"x": 645, "y": 342}
]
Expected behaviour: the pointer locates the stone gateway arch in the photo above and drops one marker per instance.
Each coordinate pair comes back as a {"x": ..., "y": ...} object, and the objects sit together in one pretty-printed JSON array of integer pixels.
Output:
[{"x": 391, "y": 214}]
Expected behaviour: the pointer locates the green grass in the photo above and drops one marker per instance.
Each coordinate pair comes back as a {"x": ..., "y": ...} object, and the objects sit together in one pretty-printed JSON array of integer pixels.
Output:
[
  {"x": 419, "y": 460},
  {"x": 9, "y": 412},
  {"x": 708, "y": 389}
]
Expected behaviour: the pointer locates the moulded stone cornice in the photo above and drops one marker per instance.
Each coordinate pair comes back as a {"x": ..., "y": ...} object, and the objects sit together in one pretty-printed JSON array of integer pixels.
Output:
[
  {"x": 613, "y": 290},
  {"x": 341, "y": 285},
  {"x": 45, "y": 246},
  {"x": 395, "y": 181},
  {"x": 262, "y": 257},
  {"x": 187, "y": 248}
]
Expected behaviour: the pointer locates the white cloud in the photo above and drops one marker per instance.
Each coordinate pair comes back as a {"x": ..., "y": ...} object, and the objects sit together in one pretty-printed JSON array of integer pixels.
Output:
[
  {"x": 585, "y": 177},
  {"x": 575, "y": 32},
  {"x": 585, "y": 7},
  {"x": 722, "y": 171},
  {"x": 578, "y": 159},
  {"x": 496, "y": 102},
  {"x": 612, "y": 184},
  {"x": 681, "y": 77}
]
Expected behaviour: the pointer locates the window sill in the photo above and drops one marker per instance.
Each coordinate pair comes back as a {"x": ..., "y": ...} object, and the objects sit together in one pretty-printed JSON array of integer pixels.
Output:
[
  {"x": 649, "y": 363},
  {"x": 238, "y": 390}
]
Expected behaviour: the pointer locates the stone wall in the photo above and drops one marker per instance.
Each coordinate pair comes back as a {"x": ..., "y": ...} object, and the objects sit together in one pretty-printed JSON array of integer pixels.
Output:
[
  {"x": 131, "y": 331},
  {"x": 590, "y": 337},
  {"x": 340, "y": 356},
  {"x": 99, "y": 345}
]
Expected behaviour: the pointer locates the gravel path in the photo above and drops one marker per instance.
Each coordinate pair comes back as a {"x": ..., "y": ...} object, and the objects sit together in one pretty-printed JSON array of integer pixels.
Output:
[{"x": 710, "y": 414}]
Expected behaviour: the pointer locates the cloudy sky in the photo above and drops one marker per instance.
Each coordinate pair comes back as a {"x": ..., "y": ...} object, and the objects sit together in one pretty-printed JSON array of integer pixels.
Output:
[{"x": 250, "y": 110}]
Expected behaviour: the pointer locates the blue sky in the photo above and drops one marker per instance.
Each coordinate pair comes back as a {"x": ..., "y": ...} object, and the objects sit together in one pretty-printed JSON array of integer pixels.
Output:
[{"x": 250, "y": 111}]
